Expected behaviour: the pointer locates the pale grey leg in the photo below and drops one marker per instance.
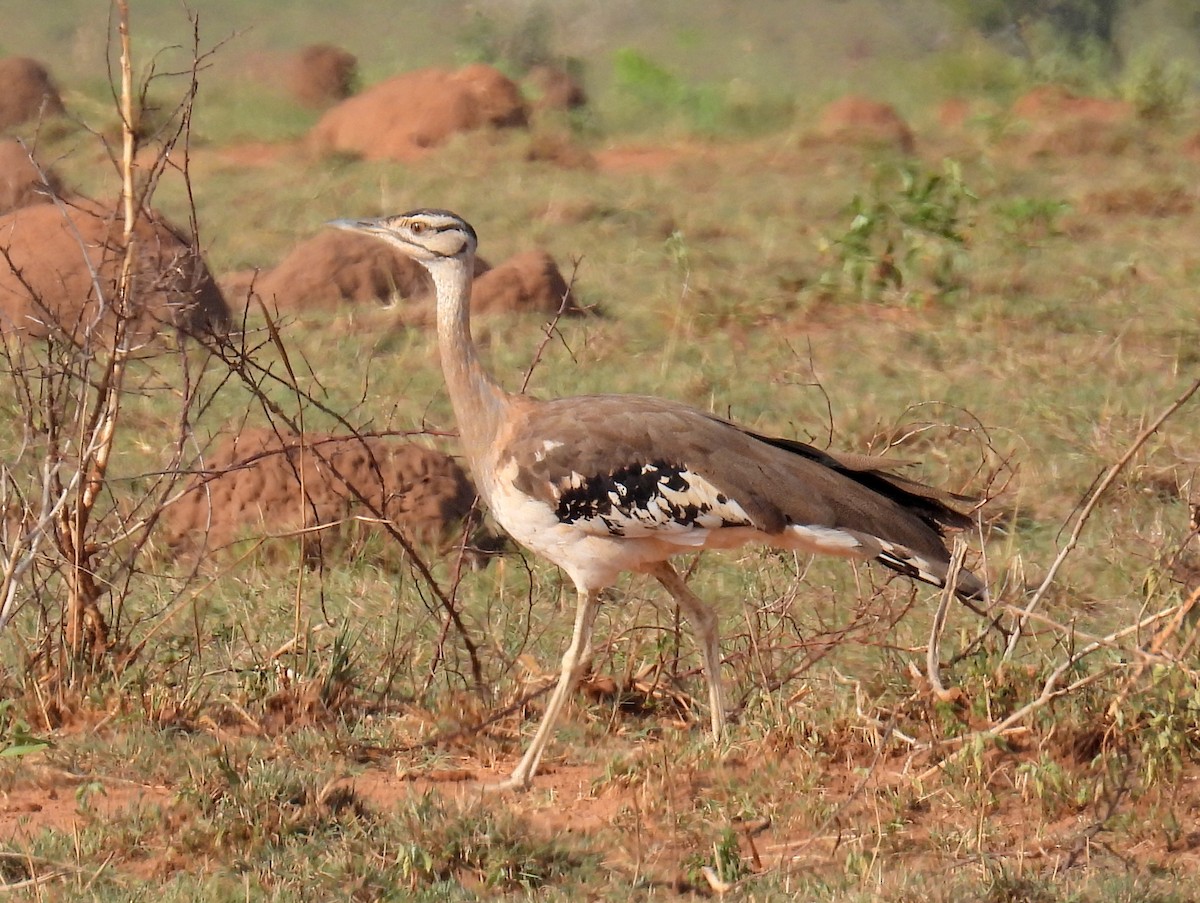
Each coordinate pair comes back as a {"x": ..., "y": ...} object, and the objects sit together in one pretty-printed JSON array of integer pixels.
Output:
[
  {"x": 704, "y": 623},
  {"x": 573, "y": 663}
]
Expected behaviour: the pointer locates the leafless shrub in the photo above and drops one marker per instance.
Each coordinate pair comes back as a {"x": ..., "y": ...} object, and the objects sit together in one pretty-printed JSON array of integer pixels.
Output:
[
  {"x": 71, "y": 542},
  {"x": 83, "y": 483}
]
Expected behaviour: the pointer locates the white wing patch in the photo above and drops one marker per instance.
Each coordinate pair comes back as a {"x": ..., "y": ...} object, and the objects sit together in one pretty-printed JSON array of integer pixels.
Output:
[
  {"x": 910, "y": 564},
  {"x": 548, "y": 446},
  {"x": 829, "y": 540}
]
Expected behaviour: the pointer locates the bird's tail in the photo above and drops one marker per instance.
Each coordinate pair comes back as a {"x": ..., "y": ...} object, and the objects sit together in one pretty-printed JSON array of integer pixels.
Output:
[{"x": 899, "y": 558}]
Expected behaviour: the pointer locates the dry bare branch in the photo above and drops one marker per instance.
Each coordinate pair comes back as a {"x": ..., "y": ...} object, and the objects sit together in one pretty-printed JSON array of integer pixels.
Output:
[{"x": 1089, "y": 506}]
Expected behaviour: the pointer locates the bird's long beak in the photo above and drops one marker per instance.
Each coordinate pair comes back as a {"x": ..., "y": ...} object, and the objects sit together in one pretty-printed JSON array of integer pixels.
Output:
[{"x": 356, "y": 225}]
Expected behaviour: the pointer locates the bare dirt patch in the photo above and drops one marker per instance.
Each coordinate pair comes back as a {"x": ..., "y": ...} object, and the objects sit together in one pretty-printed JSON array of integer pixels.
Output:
[
  {"x": 46, "y": 279},
  {"x": 44, "y": 798},
  {"x": 560, "y": 149},
  {"x": 27, "y": 92},
  {"x": 850, "y": 800},
  {"x": 1062, "y": 123},
  {"x": 953, "y": 113},
  {"x": 1140, "y": 200},
  {"x": 260, "y": 484},
  {"x": 659, "y": 808},
  {"x": 1054, "y": 103},
  {"x": 578, "y": 807},
  {"x": 1191, "y": 146},
  {"x": 860, "y": 120},
  {"x": 405, "y": 116},
  {"x": 252, "y": 154},
  {"x": 650, "y": 158}
]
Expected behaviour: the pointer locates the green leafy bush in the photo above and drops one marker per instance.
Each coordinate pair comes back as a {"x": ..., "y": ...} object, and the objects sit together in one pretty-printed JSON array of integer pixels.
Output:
[
  {"x": 907, "y": 234},
  {"x": 1156, "y": 87},
  {"x": 1077, "y": 22},
  {"x": 16, "y": 738},
  {"x": 515, "y": 47},
  {"x": 648, "y": 95}
]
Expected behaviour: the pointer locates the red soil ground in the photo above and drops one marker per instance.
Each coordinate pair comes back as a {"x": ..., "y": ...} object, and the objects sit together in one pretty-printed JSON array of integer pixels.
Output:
[
  {"x": 1063, "y": 124},
  {"x": 859, "y": 120}
]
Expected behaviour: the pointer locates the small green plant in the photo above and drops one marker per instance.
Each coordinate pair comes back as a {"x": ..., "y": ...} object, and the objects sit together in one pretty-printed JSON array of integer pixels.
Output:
[
  {"x": 676, "y": 248},
  {"x": 498, "y": 851},
  {"x": 86, "y": 791},
  {"x": 1157, "y": 88},
  {"x": 727, "y": 857},
  {"x": 16, "y": 738},
  {"x": 415, "y": 864},
  {"x": 1030, "y": 220},
  {"x": 336, "y": 673},
  {"x": 908, "y": 234},
  {"x": 645, "y": 82},
  {"x": 1005, "y": 887},
  {"x": 514, "y": 46},
  {"x": 1053, "y": 786},
  {"x": 650, "y": 94},
  {"x": 1166, "y": 719},
  {"x": 619, "y": 772},
  {"x": 722, "y": 861}
]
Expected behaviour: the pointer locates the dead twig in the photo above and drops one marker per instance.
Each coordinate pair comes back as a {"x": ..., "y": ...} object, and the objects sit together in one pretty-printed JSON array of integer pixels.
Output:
[
  {"x": 29, "y": 865},
  {"x": 1156, "y": 645},
  {"x": 932, "y": 653},
  {"x": 1089, "y": 506},
  {"x": 1051, "y": 688},
  {"x": 551, "y": 330}
]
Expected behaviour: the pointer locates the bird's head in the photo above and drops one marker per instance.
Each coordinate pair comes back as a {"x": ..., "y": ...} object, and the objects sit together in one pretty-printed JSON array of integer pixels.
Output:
[{"x": 426, "y": 236}]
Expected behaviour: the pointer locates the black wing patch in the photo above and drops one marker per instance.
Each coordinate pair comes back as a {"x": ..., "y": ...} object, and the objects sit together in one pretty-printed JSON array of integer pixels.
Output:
[{"x": 646, "y": 498}]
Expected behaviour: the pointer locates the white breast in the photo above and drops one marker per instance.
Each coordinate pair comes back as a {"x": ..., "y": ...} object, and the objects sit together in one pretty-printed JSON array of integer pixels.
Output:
[{"x": 590, "y": 558}]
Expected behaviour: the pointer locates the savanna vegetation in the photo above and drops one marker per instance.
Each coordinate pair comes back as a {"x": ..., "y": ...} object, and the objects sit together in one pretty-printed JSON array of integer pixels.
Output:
[{"x": 1008, "y": 301}]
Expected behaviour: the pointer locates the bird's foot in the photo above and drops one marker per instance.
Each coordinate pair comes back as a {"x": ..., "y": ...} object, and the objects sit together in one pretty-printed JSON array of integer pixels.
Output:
[{"x": 514, "y": 783}]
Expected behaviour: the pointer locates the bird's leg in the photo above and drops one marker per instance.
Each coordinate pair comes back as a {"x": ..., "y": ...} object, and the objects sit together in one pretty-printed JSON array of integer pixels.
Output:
[
  {"x": 704, "y": 623},
  {"x": 573, "y": 662}
]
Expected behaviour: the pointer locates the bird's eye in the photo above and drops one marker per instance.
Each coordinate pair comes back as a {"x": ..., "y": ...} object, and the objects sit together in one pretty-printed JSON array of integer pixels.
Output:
[{"x": 416, "y": 228}]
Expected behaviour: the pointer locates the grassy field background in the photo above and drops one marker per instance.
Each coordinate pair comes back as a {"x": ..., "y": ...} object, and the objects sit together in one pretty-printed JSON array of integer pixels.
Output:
[{"x": 289, "y": 733}]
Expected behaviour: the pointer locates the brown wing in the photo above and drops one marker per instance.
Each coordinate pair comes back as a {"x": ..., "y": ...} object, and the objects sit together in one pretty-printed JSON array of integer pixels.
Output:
[{"x": 588, "y": 446}]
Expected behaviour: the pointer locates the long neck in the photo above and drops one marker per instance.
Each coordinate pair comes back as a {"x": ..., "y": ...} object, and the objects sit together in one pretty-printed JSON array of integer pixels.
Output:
[{"x": 479, "y": 402}]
